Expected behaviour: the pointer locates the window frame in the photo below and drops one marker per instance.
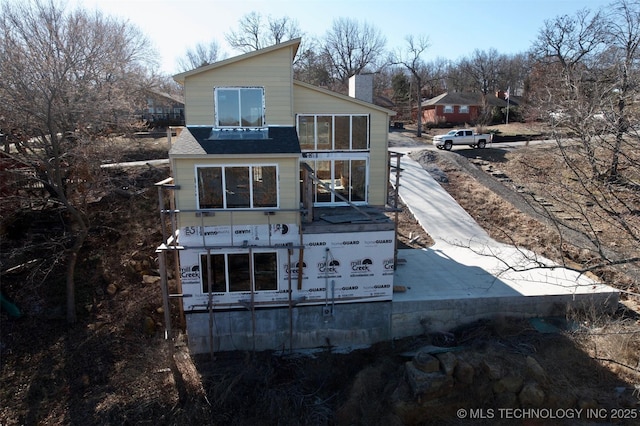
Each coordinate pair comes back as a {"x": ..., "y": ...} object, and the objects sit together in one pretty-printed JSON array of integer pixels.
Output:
[
  {"x": 331, "y": 146},
  {"x": 463, "y": 109},
  {"x": 239, "y": 89},
  {"x": 448, "y": 109},
  {"x": 227, "y": 279},
  {"x": 333, "y": 179},
  {"x": 253, "y": 192}
]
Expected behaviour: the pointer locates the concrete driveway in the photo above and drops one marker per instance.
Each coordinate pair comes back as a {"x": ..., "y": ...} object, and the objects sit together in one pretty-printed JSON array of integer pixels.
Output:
[{"x": 466, "y": 264}]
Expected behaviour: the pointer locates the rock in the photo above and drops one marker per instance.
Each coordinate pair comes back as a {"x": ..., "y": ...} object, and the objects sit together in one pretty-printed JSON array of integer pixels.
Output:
[
  {"x": 427, "y": 385},
  {"x": 149, "y": 326},
  {"x": 448, "y": 362},
  {"x": 437, "y": 174},
  {"x": 562, "y": 398},
  {"x": 535, "y": 370},
  {"x": 510, "y": 383},
  {"x": 137, "y": 266},
  {"x": 531, "y": 395},
  {"x": 150, "y": 279},
  {"x": 464, "y": 372},
  {"x": 160, "y": 310},
  {"x": 426, "y": 362},
  {"x": 112, "y": 289},
  {"x": 494, "y": 371}
]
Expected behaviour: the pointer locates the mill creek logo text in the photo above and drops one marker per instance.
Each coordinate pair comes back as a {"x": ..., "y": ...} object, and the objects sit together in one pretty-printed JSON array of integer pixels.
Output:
[
  {"x": 295, "y": 269},
  {"x": 188, "y": 273},
  {"x": 362, "y": 265},
  {"x": 330, "y": 267}
]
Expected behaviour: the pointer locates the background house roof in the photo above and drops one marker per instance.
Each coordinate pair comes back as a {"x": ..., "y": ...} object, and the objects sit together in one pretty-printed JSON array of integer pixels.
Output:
[
  {"x": 464, "y": 98},
  {"x": 207, "y": 140},
  {"x": 178, "y": 99}
]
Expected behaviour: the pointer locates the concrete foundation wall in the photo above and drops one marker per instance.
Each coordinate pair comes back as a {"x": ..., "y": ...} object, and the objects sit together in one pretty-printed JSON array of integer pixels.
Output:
[
  {"x": 358, "y": 324},
  {"x": 340, "y": 325},
  {"x": 424, "y": 316}
]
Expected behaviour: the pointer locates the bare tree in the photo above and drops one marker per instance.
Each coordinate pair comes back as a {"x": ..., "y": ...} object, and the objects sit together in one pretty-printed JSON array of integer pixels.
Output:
[
  {"x": 200, "y": 55},
  {"x": 252, "y": 33},
  {"x": 437, "y": 72},
  {"x": 623, "y": 31},
  {"x": 586, "y": 77},
  {"x": 483, "y": 66},
  {"x": 353, "y": 48},
  {"x": 67, "y": 78},
  {"x": 566, "y": 50},
  {"x": 312, "y": 67},
  {"x": 411, "y": 59}
]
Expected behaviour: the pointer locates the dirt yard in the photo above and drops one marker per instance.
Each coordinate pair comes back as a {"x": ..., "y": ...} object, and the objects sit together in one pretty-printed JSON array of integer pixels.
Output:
[{"x": 113, "y": 367}]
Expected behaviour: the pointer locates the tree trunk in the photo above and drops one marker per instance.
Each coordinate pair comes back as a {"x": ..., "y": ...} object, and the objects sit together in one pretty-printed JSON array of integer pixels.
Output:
[
  {"x": 71, "y": 287},
  {"x": 613, "y": 169},
  {"x": 419, "y": 117},
  {"x": 621, "y": 130},
  {"x": 78, "y": 223}
]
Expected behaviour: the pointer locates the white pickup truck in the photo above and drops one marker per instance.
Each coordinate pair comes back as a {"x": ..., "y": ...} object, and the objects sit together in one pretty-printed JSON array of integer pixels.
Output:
[{"x": 461, "y": 137}]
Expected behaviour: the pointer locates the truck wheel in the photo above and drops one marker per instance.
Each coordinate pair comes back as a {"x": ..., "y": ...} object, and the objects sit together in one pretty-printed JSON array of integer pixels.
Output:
[
  {"x": 448, "y": 145},
  {"x": 481, "y": 144}
]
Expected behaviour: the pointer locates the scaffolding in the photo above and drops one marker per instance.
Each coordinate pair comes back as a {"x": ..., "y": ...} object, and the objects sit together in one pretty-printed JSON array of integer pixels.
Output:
[{"x": 171, "y": 244}]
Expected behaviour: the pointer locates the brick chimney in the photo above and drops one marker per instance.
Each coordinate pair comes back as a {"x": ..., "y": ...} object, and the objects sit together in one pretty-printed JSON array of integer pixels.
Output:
[{"x": 361, "y": 87}]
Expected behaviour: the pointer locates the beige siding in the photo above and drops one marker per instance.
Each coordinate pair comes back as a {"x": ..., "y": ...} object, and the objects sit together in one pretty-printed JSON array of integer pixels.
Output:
[
  {"x": 307, "y": 101},
  {"x": 288, "y": 178},
  {"x": 272, "y": 71}
]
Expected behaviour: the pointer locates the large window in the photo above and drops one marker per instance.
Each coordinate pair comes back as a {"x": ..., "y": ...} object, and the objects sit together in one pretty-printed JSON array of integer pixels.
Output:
[
  {"x": 232, "y": 272},
  {"x": 340, "y": 180},
  {"x": 333, "y": 132},
  {"x": 237, "y": 187},
  {"x": 239, "y": 107}
]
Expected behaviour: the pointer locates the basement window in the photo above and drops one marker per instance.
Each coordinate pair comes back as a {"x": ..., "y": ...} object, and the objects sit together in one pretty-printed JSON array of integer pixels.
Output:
[{"x": 232, "y": 272}]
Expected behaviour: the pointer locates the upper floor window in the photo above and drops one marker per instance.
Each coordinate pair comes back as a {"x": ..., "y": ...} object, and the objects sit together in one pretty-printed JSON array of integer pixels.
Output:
[
  {"x": 464, "y": 109},
  {"x": 237, "y": 187},
  {"x": 239, "y": 107},
  {"x": 333, "y": 132},
  {"x": 448, "y": 109}
]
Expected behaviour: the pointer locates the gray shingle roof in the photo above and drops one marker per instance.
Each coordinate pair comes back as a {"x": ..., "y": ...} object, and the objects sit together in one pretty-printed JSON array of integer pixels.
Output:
[{"x": 207, "y": 140}]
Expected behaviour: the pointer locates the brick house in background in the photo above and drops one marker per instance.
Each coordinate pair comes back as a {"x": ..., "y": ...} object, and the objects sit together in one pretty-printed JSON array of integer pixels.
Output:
[{"x": 457, "y": 108}]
